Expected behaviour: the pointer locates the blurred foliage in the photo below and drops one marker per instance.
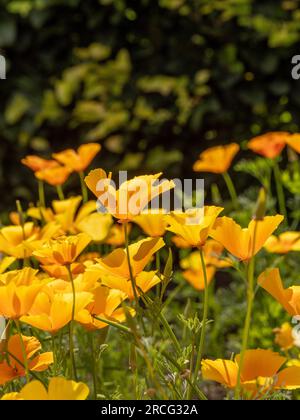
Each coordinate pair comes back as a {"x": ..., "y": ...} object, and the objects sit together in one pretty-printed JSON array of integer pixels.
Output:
[{"x": 155, "y": 81}]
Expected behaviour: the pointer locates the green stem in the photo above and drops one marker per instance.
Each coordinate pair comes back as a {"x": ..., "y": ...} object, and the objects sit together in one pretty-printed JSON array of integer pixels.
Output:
[
  {"x": 132, "y": 279},
  {"x": 279, "y": 189},
  {"x": 170, "y": 332},
  {"x": 94, "y": 370},
  {"x": 204, "y": 319},
  {"x": 71, "y": 327},
  {"x": 113, "y": 324},
  {"x": 231, "y": 189},
  {"x": 42, "y": 200},
  {"x": 24, "y": 355},
  {"x": 250, "y": 299},
  {"x": 84, "y": 190},
  {"x": 60, "y": 192}
]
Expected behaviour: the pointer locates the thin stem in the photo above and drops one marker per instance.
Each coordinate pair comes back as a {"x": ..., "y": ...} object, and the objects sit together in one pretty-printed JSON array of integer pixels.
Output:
[
  {"x": 231, "y": 189},
  {"x": 170, "y": 332},
  {"x": 94, "y": 370},
  {"x": 279, "y": 189},
  {"x": 60, "y": 192},
  {"x": 250, "y": 299},
  {"x": 42, "y": 200},
  {"x": 84, "y": 190},
  {"x": 247, "y": 325},
  {"x": 71, "y": 326},
  {"x": 132, "y": 279},
  {"x": 24, "y": 355},
  {"x": 204, "y": 319},
  {"x": 113, "y": 324}
]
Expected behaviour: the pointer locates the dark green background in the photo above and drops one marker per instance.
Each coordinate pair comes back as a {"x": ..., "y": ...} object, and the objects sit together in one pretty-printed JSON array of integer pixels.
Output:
[{"x": 155, "y": 82}]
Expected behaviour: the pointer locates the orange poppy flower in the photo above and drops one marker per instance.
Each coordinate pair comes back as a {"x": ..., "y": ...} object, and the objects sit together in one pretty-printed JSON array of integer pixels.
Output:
[
  {"x": 36, "y": 163},
  {"x": 247, "y": 242},
  {"x": 63, "y": 250},
  {"x": 152, "y": 222},
  {"x": 269, "y": 145},
  {"x": 216, "y": 159},
  {"x": 195, "y": 226},
  {"x": 132, "y": 196},
  {"x": 59, "y": 389},
  {"x": 12, "y": 369},
  {"x": 55, "y": 176},
  {"x": 284, "y": 243},
  {"x": 284, "y": 337},
  {"x": 289, "y": 298},
  {"x": 260, "y": 372},
  {"x": 294, "y": 142},
  {"x": 78, "y": 160}
]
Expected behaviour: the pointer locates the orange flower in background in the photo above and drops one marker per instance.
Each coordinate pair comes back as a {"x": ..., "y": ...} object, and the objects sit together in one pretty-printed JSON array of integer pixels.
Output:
[
  {"x": 294, "y": 142},
  {"x": 193, "y": 227},
  {"x": 216, "y": 159},
  {"x": 284, "y": 337},
  {"x": 12, "y": 369},
  {"x": 113, "y": 270},
  {"x": 116, "y": 236},
  {"x": 58, "y": 389},
  {"x": 78, "y": 160},
  {"x": 284, "y": 243},
  {"x": 269, "y": 145},
  {"x": 63, "y": 250},
  {"x": 132, "y": 196},
  {"x": 36, "y": 163},
  {"x": 193, "y": 271},
  {"x": 289, "y": 298},
  {"x": 53, "y": 311},
  {"x": 247, "y": 242},
  {"x": 179, "y": 242},
  {"x": 105, "y": 305},
  {"x": 55, "y": 176},
  {"x": 260, "y": 372},
  {"x": 152, "y": 222}
]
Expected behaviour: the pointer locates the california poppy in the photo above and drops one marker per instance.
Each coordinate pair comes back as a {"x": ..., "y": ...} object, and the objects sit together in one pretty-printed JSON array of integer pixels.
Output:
[
  {"x": 55, "y": 176},
  {"x": 260, "y": 372},
  {"x": 284, "y": 336},
  {"x": 36, "y": 163},
  {"x": 12, "y": 369},
  {"x": 284, "y": 243},
  {"x": 244, "y": 243},
  {"x": 132, "y": 196},
  {"x": 270, "y": 280},
  {"x": 78, "y": 160},
  {"x": 269, "y": 145},
  {"x": 58, "y": 389},
  {"x": 152, "y": 222},
  {"x": 195, "y": 226},
  {"x": 216, "y": 159}
]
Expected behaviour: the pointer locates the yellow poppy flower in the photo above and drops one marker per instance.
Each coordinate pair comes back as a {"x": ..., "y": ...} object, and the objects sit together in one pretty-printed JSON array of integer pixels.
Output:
[
  {"x": 105, "y": 305},
  {"x": 284, "y": 243},
  {"x": 52, "y": 311},
  {"x": 289, "y": 298},
  {"x": 18, "y": 291},
  {"x": 269, "y": 145},
  {"x": 152, "y": 222},
  {"x": 194, "y": 227},
  {"x": 36, "y": 163},
  {"x": 11, "y": 369},
  {"x": 216, "y": 159},
  {"x": 17, "y": 241},
  {"x": 132, "y": 196},
  {"x": 116, "y": 236},
  {"x": 260, "y": 372},
  {"x": 113, "y": 270},
  {"x": 247, "y": 242},
  {"x": 63, "y": 250},
  {"x": 78, "y": 160},
  {"x": 58, "y": 389},
  {"x": 284, "y": 336}
]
